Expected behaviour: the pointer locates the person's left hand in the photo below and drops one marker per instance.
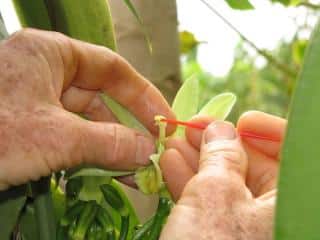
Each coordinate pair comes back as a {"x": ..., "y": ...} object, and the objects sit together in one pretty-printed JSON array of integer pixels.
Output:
[{"x": 45, "y": 77}]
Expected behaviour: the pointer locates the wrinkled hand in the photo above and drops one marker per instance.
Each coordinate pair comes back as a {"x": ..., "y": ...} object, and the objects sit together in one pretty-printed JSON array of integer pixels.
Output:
[
  {"x": 44, "y": 77},
  {"x": 230, "y": 193}
]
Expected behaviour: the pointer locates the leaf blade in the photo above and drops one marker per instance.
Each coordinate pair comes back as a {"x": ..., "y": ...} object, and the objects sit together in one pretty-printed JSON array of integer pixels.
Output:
[
  {"x": 297, "y": 215},
  {"x": 240, "y": 4},
  {"x": 186, "y": 102},
  {"x": 122, "y": 114},
  {"x": 11, "y": 203},
  {"x": 219, "y": 106}
]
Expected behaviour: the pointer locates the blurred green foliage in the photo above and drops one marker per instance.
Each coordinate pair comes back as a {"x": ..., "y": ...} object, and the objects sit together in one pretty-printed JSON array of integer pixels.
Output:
[
  {"x": 246, "y": 5},
  {"x": 240, "y": 4},
  {"x": 263, "y": 88}
]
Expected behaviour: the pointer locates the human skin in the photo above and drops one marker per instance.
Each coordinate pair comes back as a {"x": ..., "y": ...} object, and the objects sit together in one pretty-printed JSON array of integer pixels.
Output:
[
  {"x": 226, "y": 187},
  {"x": 45, "y": 78}
]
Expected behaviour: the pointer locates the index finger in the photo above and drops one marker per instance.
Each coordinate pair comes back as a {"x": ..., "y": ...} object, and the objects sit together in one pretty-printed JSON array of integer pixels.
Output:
[
  {"x": 92, "y": 67},
  {"x": 263, "y": 124}
]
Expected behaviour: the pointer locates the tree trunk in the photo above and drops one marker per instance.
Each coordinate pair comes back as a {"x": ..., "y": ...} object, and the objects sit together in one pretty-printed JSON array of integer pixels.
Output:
[{"x": 160, "y": 20}]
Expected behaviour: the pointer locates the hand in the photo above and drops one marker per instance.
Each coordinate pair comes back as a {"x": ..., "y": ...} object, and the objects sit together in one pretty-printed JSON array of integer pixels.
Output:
[
  {"x": 44, "y": 77},
  {"x": 231, "y": 195}
]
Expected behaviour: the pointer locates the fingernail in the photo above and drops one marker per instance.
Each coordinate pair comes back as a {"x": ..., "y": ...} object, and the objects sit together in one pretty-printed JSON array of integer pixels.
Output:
[
  {"x": 220, "y": 130},
  {"x": 145, "y": 147}
]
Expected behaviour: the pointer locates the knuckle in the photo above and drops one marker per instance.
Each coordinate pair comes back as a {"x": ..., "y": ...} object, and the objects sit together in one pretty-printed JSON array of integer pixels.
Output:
[
  {"x": 21, "y": 38},
  {"x": 232, "y": 159},
  {"x": 215, "y": 190}
]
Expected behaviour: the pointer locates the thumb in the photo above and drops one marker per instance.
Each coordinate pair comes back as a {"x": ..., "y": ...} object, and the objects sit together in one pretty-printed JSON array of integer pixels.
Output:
[{"x": 222, "y": 158}]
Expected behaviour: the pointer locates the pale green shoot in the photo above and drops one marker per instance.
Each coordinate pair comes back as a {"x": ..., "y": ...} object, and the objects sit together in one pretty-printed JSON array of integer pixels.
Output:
[
  {"x": 123, "y": 115},
  {"x": 186, "y": 102},
  {"x": 149, "y": 179},
  {"x": 219, "y": 106}
]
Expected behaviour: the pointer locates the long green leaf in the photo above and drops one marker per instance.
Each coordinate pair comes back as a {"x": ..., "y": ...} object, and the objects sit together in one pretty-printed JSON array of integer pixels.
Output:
[
  {"x": 298, "y": 207},
  {"x": 134, "y": 221},
  {"x": 3, "y": 30},
  {"x": 122, "y": 114},
  {"x": 11, "y": 203},
  {"x": 33, "y": 14},
  {"x": 85, "y": 20},
  {"x": 186, "y": 102},
  {"x": 28, "y": 225},
  {"x": 219, "y": 106},
  {"x": 44, "y": 210}
]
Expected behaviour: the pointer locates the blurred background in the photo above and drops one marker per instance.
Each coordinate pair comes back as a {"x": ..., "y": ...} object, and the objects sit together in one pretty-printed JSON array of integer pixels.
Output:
[{"x": 254, "y": 50}]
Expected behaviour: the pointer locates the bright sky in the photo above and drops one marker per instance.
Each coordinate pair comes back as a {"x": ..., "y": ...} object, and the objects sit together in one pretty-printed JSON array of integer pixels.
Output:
[{"x": 265, "y": 26}]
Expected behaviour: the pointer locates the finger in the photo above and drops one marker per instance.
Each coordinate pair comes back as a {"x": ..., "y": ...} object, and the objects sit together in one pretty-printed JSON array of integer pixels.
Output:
[
  {"x": 188, "y": 152},
  {"x": 223, "y": 167},
  {"x": 90, "y": 67},
  {"x": 262, "y": 171},
  {"x": 222, "y": 152},
  {"x": 268, "y": 195},
  {"x": 262, "y": 124},
  {"x": 262, "y": 155},
  {"x": 108, "y": 145},
  {"x": 128, "y": 180},
  {"x": 194, "y": 136},
  {"x": 176, "y": 172},
  {"x": 220, "y": 181},
  {"x": 116, "y": 147},
  {"x": 98, "y": 111},
  {"x": 88, "y": 103}
]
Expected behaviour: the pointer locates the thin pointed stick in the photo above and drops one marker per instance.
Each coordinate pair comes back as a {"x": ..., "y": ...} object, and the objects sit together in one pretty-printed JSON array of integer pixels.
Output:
[{"x": 202, "y": 127}]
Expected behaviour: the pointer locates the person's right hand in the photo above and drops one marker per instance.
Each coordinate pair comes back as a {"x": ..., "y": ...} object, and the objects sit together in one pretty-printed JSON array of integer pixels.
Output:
[
  {"x": 44, "y": 77},
  {"x": 232, "y": 195}
]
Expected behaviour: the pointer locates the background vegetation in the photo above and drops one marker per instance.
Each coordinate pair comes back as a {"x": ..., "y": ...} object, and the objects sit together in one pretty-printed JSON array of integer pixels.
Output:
[{"x": 267, "y": 87}]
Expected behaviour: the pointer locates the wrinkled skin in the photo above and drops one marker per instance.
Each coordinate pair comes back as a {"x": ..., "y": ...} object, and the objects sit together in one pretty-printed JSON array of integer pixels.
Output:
[
  {"x": 225, "y": 187},
  {"x": 226, "y": 184},
  {"x": 45, "y": 76}
]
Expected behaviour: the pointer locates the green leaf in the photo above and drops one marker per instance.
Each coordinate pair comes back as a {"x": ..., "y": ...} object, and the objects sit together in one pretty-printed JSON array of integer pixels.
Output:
[
  {"x": 123, "y": 115},
  {"x": 33, "y": 14},
  {"x": 186, "y": 102},
  {"x": 298, "y": 50},
  {"x": 3, "y": 30},
  {"x": 11, "y": 203},
  {"x": 44, "y": 210},
  {"x": 295, "y": 2},
  {"x": 240, "y": 4},
  {"x": 90, "y": 189},
  {"x": 219, "y": 106},
  {"x": 298, "y": 209},
  {"x": 84, "y": 20},
  {"x": 288, "y": 2},
  {"x": 28, "y": 226},
  {"x": 187, "y": 42},
  {"x": 134, "y": 220},
  {"x": 58, "y": 199},
  {"x": 97, "y": 172}
]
